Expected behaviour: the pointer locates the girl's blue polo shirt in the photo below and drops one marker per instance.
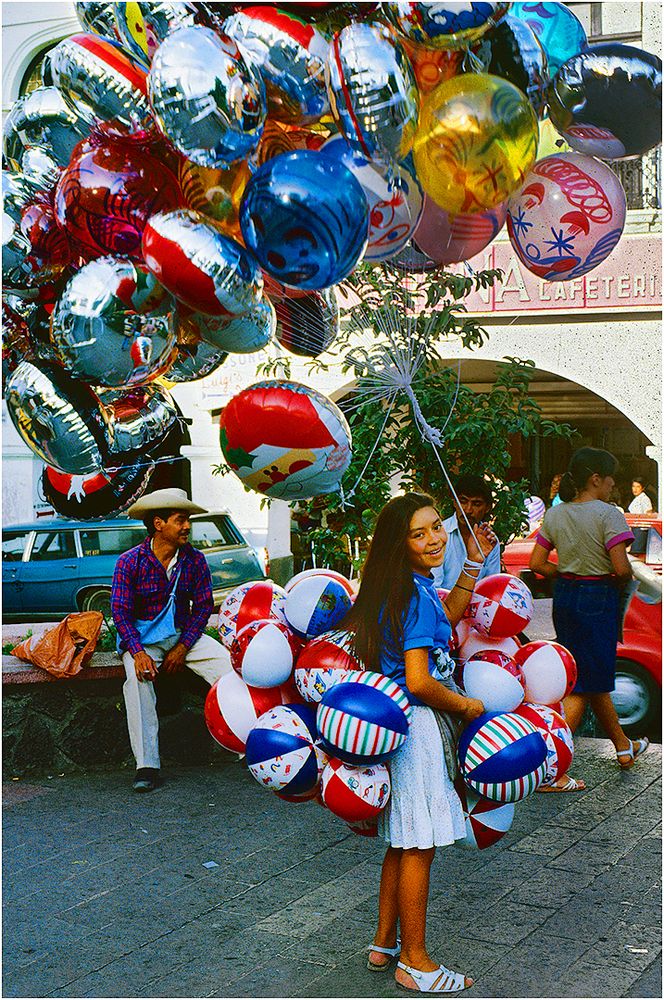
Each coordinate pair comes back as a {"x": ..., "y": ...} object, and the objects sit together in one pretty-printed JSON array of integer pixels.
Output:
[{"x": 425, "y": 627}]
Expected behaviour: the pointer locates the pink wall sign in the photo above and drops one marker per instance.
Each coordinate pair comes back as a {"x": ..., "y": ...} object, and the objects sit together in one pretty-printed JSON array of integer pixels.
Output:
[{"x": 631, "y": 279}]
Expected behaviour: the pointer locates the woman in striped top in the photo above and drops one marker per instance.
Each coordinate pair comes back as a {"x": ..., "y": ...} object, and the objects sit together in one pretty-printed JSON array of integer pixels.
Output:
[{"x": 401, "y": 629}]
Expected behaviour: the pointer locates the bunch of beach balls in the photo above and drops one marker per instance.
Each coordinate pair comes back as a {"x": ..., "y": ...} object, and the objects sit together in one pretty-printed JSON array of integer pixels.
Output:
[{"x": 314, "y": 724}]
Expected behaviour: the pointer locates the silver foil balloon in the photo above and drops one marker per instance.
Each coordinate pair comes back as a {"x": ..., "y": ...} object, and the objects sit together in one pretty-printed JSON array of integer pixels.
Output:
[
  {"x": 200, "y": 265},
  {"x": 102, "y": 494},
  {"x": 290, "y": 61},
  {"x": 142, "y": 27},
  {"x": 242, "y": 335},
  {"x": 57, "y": 417},
  {"x": 195, "y": 361},
  {"x": 96, "y": 76},
  {"x": 309, "y": 324},
  {"x": 12, "y": 145},
  {"x": 47, "y": 119},
  {"x": 114, "y": 325},
  {"x": 373, "y": 92},
  {"x": 206, "y": 98},
  {"x": 136, "y": 419},
  {"x": 98, "y": 18},
  {"x": 40, "y": 169}
]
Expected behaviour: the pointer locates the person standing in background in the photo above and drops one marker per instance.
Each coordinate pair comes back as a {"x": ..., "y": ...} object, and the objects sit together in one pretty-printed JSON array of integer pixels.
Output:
[
  {"x": 554, "y": 498},
  {"x": 641, "y": 504},
  {"x": 475, "y": 500}
]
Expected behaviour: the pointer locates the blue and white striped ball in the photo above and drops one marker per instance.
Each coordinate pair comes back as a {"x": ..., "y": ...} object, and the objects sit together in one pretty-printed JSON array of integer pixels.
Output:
[
  {"x": 502, "y": 756},
  {"x": 315, "y": 605},
  {"x": 363, "y": 720},
  {"x": 281, "y": 750}
]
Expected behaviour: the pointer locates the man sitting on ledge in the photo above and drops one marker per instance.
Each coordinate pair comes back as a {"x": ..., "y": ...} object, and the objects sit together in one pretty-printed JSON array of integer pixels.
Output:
[{"x": 161, "y": 601}]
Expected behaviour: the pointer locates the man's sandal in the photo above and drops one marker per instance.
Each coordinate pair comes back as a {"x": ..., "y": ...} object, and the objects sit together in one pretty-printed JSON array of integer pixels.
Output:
[
  {"x": 636, "y": 748},
  {"x": 441, "y": 980},
  {"x": 378, "y": 949}
]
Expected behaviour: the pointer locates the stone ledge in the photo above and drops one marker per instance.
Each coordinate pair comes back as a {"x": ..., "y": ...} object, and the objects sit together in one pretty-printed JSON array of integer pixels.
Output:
[{"x": 102, "y": 666}]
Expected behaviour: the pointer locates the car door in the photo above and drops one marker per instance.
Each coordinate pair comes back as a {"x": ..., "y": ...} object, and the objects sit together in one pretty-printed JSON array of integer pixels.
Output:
[
  {"x": 50, "y": 574},
  {"x": 231, "y": 560},
  {"x": 13, "y": 549}
]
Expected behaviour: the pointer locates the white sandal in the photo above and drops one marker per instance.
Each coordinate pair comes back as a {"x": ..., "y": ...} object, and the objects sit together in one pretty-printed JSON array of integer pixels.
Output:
[
  {"x": 636, "y": 748},
  {"x": 391, "y": 952},
  {"x": 441, "y": 980}
]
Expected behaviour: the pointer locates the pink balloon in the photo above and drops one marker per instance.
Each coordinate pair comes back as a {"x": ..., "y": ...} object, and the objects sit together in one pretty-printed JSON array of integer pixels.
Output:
[{"x": 448, "y": 239}]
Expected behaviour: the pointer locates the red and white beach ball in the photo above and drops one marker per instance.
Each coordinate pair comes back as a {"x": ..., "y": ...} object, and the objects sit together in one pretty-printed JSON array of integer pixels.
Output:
[
  {"x": 232, "y": 709},
  {"x": 282, "y": 754},
  {"x": 502, "y": 756},
  {"x": 558, "y": 736},
  {"x": 501, "y": 606},
  {"x": 549, "y": 670},
  {"x": 263, "y": 653},
  {"x": 324, "y": 662},
  {"x": 494, "y": 678},
  {"x": 249, "y": 603},
  {"x": 355, "y": 794},
  {"x": 316, "y": 605},
  {"x": 486, "y": 821},
  {"x": 364, "y": 719},
  {"x": 330, "y": 573},
  {"x": 471, "y": 642}
]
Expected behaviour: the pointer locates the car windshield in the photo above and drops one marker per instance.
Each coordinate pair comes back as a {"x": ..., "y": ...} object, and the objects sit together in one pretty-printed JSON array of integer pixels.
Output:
[{"x": 214, "y": 533}]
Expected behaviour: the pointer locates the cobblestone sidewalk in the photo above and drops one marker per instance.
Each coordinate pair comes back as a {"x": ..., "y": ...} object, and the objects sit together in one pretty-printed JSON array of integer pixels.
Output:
[{"x": 213, "y": 887}]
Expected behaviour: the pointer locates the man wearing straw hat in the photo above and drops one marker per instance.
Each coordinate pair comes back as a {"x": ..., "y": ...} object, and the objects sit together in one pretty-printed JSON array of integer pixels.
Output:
[{"x": 161, "y": 601}]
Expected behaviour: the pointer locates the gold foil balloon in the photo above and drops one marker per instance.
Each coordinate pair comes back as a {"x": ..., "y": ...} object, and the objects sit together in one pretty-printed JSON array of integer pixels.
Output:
[
  {"x": 443, "y": 25},
  {"x": 215, "y": 193},
  {"x": 476, "y": 141}
]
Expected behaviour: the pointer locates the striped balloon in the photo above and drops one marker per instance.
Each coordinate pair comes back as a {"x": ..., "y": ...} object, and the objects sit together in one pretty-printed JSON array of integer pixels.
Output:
[
  {"x": 502, "y": 756},
  {"x": 364, "y": 720}
]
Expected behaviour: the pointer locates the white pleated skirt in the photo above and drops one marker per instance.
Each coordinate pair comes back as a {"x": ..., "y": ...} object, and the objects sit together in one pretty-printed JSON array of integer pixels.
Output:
[{"x": 424, "y": 810}]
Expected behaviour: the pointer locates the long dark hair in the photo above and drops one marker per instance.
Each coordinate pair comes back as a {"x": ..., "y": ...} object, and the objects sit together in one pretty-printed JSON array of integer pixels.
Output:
[
  {"x": 584, "y": 463},
  {"x": 387, "y": 580}
]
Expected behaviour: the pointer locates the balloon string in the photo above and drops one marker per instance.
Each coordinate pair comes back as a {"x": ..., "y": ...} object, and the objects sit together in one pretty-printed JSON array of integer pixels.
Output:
[{"x": 345, "y": 497}]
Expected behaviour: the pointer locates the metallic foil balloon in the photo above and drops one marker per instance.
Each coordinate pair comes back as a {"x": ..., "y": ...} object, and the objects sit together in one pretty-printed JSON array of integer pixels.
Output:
[
  {"x": 278, "y": 138},
  {"x": 607, "y": 102},
  {"x": 305, "y": 217},
  {"x": 114, "y": 325},
  {"x": 395, "y": 199},
  {"x": 45, "y": 118},
  {"x": 290, "y": 57},
  {"x": 448, "y": 239},
  {"x": 142, "y": 27},
  {"x": 568, "y": 216},
  {"x": 94, "y": 73},
  {"x": 476, "y": 141},
  {"x": 17, "y": 192},
  {"x": 24, "y": 266},
  {"x": 308, "y": 326},
  {"x": 136, "y": 419},
  {"x": 39, "y": 169},
  {"x": 285, "y": 440},
  {"x": 373, "y": 93},
  {"x": 99, "y": 18},
  {"x": 101, "y": 494},
  {"x": 195, "y": 361},
  {"x": 557, "y": 29},
  {"x": 196, "y": 262},
  {"x": 215, "y": 193},
  {"x": 49, "y": 244},
  {"x": 411, "y": 260},
  {"x": 432, "y": 66},
  {"x": 57, "y": 417},
  {"x": 207, "y": 99},
  {"x": 107, "y": 194},
  {"x": 511, "y": 50},
  {"x": 244, "y": 334},
  {"x": 442, "y": 25}
]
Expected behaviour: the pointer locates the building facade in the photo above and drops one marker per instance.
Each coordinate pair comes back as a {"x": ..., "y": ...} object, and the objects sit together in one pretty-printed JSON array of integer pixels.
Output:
[{"x": 595, "y": 342}]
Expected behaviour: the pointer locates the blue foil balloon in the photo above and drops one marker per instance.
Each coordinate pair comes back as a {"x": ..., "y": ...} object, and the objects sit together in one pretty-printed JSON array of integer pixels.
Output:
[
  {"x": 607, "y": 102},
  {"x": 305, "y": 217},
  {"x": 557, "y": 29},
  {"x": 511, "y": 50}
]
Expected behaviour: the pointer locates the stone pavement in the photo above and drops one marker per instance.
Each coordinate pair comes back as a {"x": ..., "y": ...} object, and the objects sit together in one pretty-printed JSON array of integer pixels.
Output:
[{"x": 214, "y": 887}]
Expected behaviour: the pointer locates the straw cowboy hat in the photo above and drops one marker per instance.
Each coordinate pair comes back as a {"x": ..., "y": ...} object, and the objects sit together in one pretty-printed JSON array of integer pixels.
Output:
[{"x": 170, "y": 499}]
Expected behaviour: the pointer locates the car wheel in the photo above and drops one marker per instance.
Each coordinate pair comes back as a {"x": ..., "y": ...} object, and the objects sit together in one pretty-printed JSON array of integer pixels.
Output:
[
  {"x": 98, "y": 600},
  {"x": 636, "y": 697}
]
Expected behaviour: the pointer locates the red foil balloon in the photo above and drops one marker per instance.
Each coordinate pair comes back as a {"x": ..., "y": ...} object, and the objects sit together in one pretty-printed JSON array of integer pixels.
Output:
[
  {"x": 448, "y": 239},
  {"x": 107, "y": 194},
  {"x": 49, "y": 243}
]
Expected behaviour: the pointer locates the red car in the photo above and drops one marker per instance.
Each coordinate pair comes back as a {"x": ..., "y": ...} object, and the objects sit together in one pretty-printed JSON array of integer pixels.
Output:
[{"x": 638, "y": 693}]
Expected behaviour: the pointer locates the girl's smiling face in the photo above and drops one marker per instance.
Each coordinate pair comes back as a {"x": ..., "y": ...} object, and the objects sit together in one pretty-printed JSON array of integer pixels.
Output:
[{"x": 426, "y": 540}]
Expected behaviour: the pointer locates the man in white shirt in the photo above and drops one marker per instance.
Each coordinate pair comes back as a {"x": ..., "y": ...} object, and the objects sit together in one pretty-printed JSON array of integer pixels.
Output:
[{"x": 476, "y": 501}]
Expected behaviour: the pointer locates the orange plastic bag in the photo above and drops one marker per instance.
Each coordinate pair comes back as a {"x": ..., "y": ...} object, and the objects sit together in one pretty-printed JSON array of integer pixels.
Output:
[{"x": 64, "y": 649}]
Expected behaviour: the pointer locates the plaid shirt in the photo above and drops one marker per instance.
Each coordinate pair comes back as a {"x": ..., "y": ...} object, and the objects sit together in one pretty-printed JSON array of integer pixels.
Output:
[{"x": 141, "y": 589}]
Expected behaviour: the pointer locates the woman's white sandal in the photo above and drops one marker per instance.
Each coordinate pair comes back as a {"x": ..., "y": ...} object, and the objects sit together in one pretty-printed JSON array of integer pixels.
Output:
[
  {"x": 391, "y": 952},
  {"x": 441, "y": 980},
  {"x": 633, "y": 752}
]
